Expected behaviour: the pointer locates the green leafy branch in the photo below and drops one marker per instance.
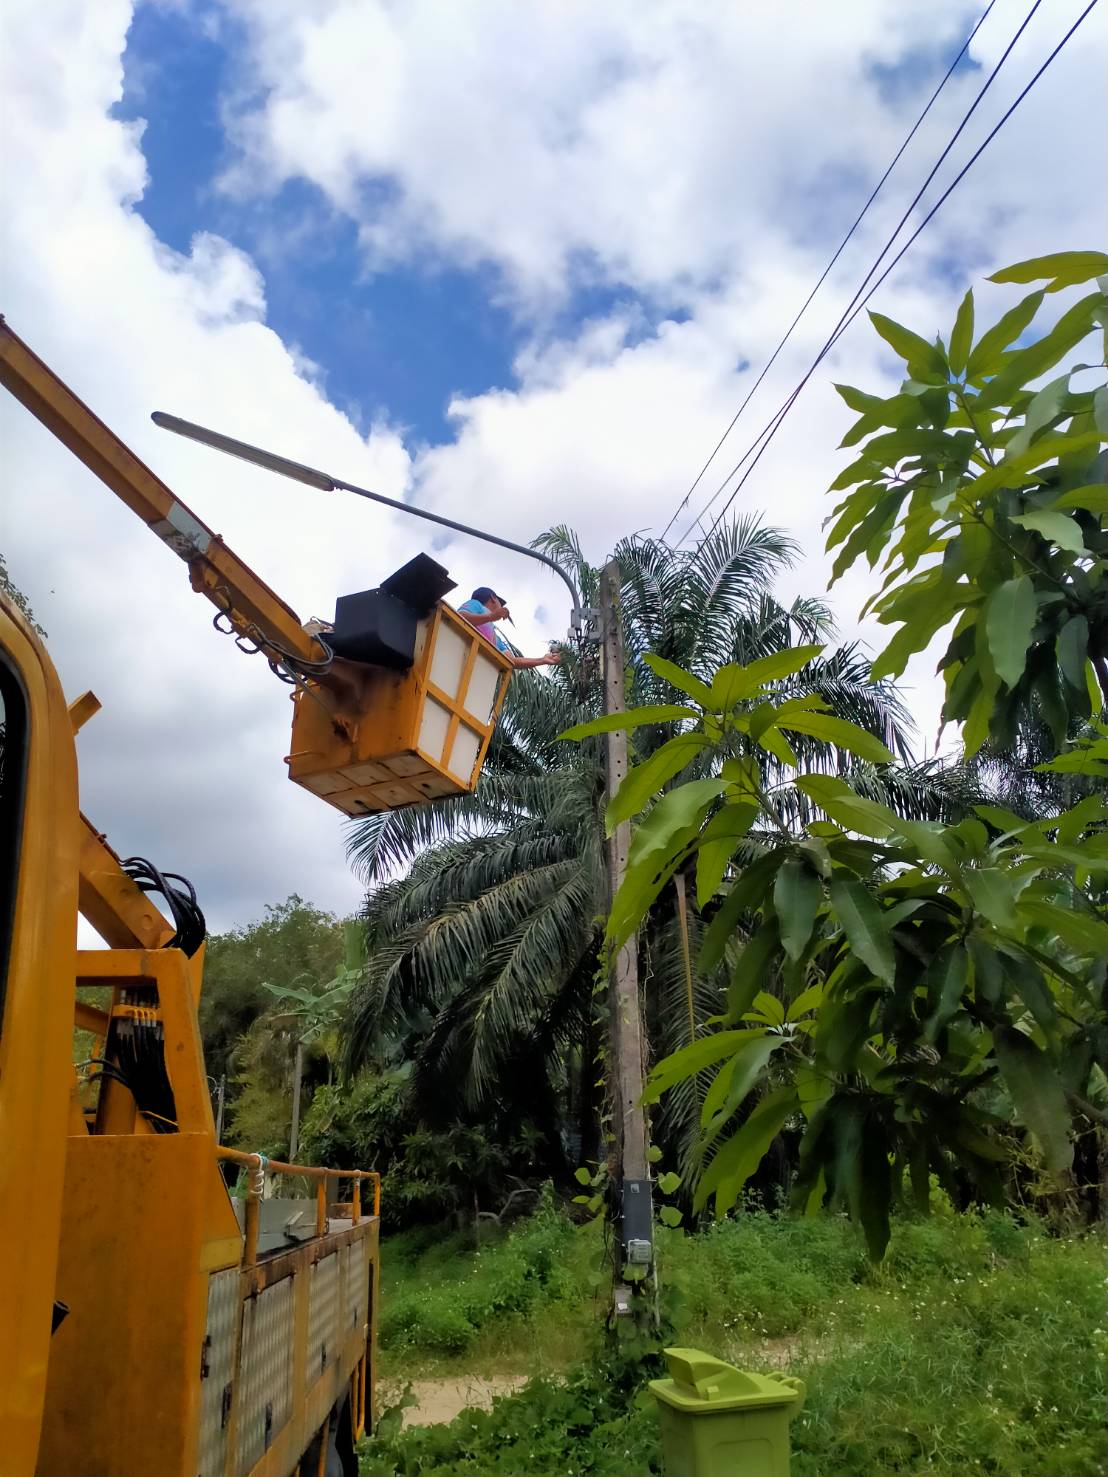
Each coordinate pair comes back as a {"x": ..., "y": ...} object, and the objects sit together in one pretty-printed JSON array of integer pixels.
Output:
[
  {"x": 983, "y": 499},
  {"x": 911, "y": 997}
]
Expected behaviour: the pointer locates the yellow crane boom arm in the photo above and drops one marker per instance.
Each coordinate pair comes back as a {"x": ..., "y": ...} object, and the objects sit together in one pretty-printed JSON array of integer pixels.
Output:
[
  {"x": 365, "y": 737},
  {"x": 249, "y": 605}
]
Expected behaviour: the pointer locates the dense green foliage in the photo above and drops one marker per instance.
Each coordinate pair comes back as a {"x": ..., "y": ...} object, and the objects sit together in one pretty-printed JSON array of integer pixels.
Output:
[
  {"x": 11, "y": 591},
  {"x": 904, "y": 991},
  {"x": 248, "y": 1037},
  {"x": 289, "y": 977},
  {"x": 442, "y": 1298},
  {"x": 596, "y": 1421},
  {"x": 885, "y": 973},
  {"x": 292, "y": 941},
  {"x": 986, "y": 505},
  {"x": 893, "y": 976},
  {"x": 315, "y": 1009},
  {"x": 980, "y": 1345},
  {"x": 485, "y": 953},
  {"x": 468, "y": 1170}
]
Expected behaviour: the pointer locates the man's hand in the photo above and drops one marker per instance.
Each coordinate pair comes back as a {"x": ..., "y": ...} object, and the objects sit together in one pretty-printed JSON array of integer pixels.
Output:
[{"x": 551, "y": 659}]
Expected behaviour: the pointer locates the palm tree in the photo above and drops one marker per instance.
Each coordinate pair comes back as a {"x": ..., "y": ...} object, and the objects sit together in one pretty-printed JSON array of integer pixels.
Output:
[
  {"x": 486, "y": 949},
  {"x": 1008, "y": 770}
]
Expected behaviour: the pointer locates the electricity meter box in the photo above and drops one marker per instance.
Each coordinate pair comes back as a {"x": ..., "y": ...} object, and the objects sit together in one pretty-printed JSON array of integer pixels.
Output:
[{"x": 426, "y": 729}]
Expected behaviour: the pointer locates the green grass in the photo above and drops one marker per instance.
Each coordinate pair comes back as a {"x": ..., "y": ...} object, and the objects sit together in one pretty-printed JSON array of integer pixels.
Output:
[
  {"x": 978, "y": 1347},
  {"x": 448, "y": 1307},
  {"x": 993, "y": 1366}
]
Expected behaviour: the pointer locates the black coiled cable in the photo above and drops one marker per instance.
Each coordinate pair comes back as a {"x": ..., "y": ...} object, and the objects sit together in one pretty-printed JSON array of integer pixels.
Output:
[{"x": 183, "y": 906}]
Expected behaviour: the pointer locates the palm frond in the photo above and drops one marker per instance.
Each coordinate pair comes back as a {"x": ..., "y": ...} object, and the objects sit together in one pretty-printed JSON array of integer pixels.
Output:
[
  {"x": 684, "y": 605},
  {"x": 463, "y": 871},
  {"x": 842, "y": 680},
  {"x": 676, "y": 1121},
  {"x": 526, "y": 969}
]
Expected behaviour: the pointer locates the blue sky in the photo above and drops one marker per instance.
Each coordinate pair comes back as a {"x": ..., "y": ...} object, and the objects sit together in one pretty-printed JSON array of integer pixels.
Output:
[{"x": 396, "y": 344}]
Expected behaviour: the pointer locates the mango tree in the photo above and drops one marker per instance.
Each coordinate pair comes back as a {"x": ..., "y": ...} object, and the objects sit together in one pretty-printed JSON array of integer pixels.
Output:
[{"x": 889, "y": 975}]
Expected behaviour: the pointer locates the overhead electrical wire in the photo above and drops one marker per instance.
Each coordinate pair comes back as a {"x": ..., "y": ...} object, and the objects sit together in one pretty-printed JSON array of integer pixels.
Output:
[
  {"x": 909, "y": 136},
  {"x": 858, "y": 302},
  {"x": 769, "y": 430}
]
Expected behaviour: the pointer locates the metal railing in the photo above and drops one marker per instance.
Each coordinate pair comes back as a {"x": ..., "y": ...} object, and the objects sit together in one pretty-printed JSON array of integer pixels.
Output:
[{"x": 261, "y": 1166}]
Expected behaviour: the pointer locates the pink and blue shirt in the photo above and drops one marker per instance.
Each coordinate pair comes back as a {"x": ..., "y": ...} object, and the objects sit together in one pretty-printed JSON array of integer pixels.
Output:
[{"x": 488, "y": 630}]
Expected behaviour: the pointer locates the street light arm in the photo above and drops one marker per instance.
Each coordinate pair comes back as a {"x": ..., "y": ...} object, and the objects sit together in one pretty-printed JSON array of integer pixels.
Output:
[
  {"x": 326, "y": 483},
  {"x": 489, "y": 538}
]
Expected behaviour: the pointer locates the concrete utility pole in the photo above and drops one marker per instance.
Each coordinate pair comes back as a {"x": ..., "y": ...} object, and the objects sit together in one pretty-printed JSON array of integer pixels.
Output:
[
  {"x": 635, "y": 1256},
  {"x": 297, "y": 1073}
]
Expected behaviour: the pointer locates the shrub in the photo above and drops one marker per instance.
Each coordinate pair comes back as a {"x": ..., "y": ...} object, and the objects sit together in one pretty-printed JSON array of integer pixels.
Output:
[
  {"x": 758, "y": 1273},
  {"x": 537, "y": 1263},
  {"x": 994, "y": 1371},
  {"x": 596, "y": 1423},
  {"x": 430, "y": 1172},
  {"x": 979, "y": 1348}
]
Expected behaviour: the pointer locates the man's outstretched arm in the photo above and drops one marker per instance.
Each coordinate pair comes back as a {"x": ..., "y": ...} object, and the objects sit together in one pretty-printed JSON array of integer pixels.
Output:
[{"x": 551, "y": 659}]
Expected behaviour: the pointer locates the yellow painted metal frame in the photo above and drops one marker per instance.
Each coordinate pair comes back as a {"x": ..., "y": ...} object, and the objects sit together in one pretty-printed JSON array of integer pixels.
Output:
[
  {"x": 260, "y": 1166},
  {"x": 122, "y": 914},
  {"x": 135, "y": 1267},
  {"x": 35, "y": 1035},
  {"x": 167, "y": 975},
  {"x": 459, "y": 717},
  {"x": 217, "y": 572},
  {"x": 122, "y": 1224},
  {"x": 355, "y": 1364},
  {"x": 148, "y": 1220},
  {"x": 155, "y": 1222},
  {"x": 344, "y": 715}
]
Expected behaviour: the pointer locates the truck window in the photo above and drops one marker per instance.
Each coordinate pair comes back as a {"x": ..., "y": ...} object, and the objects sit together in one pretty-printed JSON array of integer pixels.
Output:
[{"x": 13, "y": 760}]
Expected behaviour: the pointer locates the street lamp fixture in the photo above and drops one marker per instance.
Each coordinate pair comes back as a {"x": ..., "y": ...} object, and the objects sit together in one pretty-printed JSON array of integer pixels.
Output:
[{"x": 583, "y": 621}]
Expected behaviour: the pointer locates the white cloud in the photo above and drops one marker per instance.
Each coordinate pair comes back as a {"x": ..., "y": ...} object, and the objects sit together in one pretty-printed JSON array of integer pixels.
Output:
[
  {"x": 667, "y": 147},
  {"x": 636, "y": 134},
  {"x": 184, "y": 764},
  {"x": 709, "y": 156},
  {"x": 704, "y": 156}
]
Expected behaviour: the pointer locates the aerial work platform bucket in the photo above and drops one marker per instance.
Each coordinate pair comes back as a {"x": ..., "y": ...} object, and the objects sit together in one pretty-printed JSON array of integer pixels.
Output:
[{"x": 424, "y": 731}]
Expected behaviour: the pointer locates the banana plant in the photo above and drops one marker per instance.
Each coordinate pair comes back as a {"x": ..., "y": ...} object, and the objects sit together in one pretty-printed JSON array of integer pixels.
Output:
[{"x": 318, "y": 1014}]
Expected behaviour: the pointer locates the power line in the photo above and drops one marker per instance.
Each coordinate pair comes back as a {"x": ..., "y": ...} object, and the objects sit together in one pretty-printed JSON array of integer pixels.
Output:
[
  {"x": 770, "y": 430},
  {"x": 827, "y": 269}
]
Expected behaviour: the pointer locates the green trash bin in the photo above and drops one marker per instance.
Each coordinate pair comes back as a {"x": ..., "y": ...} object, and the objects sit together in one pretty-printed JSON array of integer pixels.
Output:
[{"x": 718, "y": 1421}]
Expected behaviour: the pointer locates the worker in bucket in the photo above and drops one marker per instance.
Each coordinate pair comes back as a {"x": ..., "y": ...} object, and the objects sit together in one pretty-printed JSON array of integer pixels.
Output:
[{"x": 482, "y": 610}]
